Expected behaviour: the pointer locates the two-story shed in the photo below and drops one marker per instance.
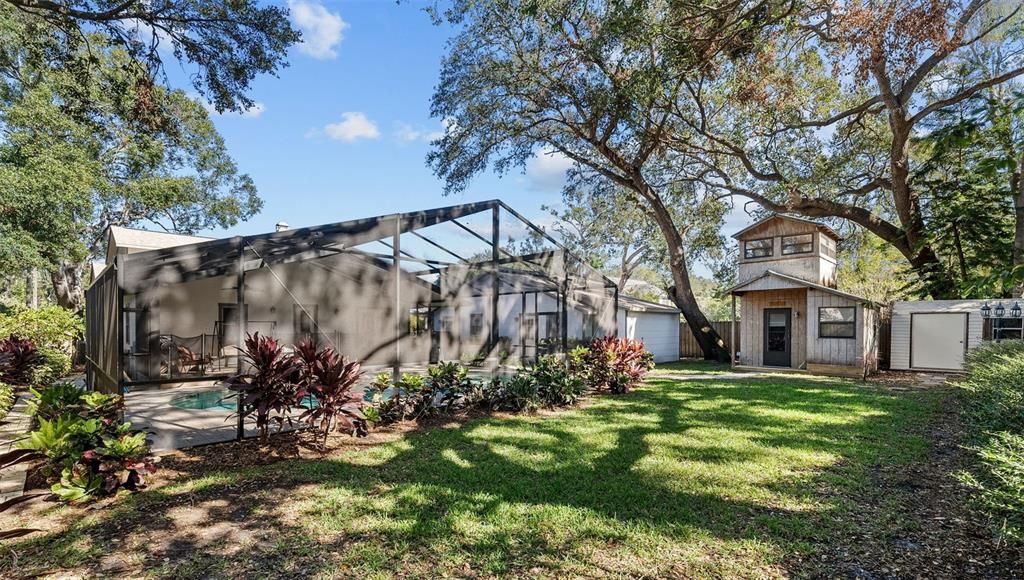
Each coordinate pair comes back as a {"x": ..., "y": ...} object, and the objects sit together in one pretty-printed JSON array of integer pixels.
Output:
[{"x": 792, "y": 314}]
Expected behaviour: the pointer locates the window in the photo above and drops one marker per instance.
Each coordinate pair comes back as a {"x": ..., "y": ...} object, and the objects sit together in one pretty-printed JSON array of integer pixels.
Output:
[
  {"x": 419, "y": 321},
  {"x": 1007, "y": 328},
  {"x": 837, "y": 322},
  {"x": 476, "y": 324},
  {"x": 305, "y": 317},
  {"x": 757, "y": 248},
  {"x": 802, "y": 244}
]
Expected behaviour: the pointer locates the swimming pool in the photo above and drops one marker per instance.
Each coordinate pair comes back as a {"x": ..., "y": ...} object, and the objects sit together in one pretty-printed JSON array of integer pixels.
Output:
[{"x": 219, "y": 399}]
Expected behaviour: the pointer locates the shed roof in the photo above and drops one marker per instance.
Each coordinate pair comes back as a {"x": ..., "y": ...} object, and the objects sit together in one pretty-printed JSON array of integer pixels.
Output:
[
  {"x": 793, "y": 281},
  {"x": 820, "y": 226},
  {"x": 632, "y": 304},
  {"x": 149, "y": 240}
]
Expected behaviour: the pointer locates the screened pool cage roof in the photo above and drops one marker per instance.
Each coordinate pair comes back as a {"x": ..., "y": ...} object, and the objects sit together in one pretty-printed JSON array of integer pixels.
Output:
[{"x": 425, "y": 244}]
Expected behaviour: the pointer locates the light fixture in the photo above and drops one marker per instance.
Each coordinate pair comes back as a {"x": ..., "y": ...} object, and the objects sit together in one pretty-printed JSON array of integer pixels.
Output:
[
  {"x": 1000, "y": 310},
  {"x": 1015, "y": 311},
  {"x": 986, "y": 311}
]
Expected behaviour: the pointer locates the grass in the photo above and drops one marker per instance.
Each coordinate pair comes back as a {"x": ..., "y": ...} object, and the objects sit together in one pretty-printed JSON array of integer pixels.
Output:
[{"x": 699, "y": 478}]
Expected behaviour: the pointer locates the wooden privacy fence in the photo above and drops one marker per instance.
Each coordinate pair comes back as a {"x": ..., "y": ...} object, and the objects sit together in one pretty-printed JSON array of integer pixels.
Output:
[{"x": 688, "y": 347}]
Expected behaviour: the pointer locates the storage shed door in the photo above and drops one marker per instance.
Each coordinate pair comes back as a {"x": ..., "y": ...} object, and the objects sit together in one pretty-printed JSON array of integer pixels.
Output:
[{"x": 937, "y": 340}]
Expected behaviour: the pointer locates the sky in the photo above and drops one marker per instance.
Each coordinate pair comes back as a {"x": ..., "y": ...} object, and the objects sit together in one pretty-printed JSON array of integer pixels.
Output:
[{"x": 344, "y": 131}]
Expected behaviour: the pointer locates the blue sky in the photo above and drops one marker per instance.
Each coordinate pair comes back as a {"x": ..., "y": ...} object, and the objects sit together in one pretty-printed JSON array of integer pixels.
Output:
[{"x": 344, "y": 131}]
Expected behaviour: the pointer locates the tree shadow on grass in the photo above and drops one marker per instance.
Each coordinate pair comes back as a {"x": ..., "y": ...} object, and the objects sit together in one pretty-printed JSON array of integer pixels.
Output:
[{"x": 648, "y": 483}]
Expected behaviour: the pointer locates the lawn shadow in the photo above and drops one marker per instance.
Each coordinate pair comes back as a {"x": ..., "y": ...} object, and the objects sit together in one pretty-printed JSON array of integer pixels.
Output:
[{"x": 666, "y": 470}]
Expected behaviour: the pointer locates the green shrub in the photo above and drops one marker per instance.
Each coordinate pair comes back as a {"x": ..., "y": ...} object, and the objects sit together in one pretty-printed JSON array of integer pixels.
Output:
[
  {"x": 53, "y": 330},
  {"x": 556, "y": 385},
  {"x": 519, "y": 393},
  {"x": 57, "y": 400},
  {"x": 6, "y": 400},
  {"x": 993, "y": 392},
  {"x": 1000, "y": 482},
  {"x": 88, "y": 451}
]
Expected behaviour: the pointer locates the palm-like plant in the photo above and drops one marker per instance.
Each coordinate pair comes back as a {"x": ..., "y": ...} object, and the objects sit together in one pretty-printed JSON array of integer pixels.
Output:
[
  {"x": 268, "y": 390},
  {"x": 329, "y": 378},
  {"x": 18, "y": 359}
]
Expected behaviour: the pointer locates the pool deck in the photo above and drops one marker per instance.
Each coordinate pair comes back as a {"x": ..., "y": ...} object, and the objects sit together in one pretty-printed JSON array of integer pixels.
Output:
[{"x": 173, "y": 427}]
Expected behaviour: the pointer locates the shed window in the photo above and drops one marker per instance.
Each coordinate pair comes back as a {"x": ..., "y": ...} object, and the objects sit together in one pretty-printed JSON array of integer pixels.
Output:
[
  {"x": 802, "y": 244},
  {"x": 757, "y": 248},
  {"x": 837, "y": 322}
]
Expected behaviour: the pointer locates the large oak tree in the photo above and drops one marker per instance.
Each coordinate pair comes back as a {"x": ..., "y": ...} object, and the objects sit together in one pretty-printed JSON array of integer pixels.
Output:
[
  {"x": 596, "y": 82},
  {"x": 825, "y": 116}
]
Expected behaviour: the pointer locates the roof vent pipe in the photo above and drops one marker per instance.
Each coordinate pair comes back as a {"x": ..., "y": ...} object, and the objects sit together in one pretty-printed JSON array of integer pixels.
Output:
[{"x": 281, "y": 226}]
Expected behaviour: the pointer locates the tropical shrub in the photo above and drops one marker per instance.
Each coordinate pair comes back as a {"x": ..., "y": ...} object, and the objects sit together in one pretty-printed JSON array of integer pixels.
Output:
[
  {"x": 576, "y": 363},
  {"x": 618, "y": 364},
  {"x": 53, "y": 330},
  {"x": 519, "y": 393},
  {"x": 452, "y": 388},
  {"x": 88, "y": 451},
  {"x": 56, "y": 400},
  {"x": 556, "y": 386},
  {"x": 6, "y": 400},
  {"x": 268, "y": 390},
  {"x": 993, "y": 392},
  {"x": 330, "y": 378},
  {"x": 19, "y": 358}
]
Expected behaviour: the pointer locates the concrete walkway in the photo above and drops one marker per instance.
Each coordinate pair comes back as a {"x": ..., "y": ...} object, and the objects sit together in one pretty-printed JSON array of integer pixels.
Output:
[{"x": 13, "y": 428}]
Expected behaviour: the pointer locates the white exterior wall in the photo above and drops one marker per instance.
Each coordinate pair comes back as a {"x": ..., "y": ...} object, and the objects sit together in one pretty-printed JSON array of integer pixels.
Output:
[
  {"x": 659, "y": 332},
  {"x": 899, "y": 349}
]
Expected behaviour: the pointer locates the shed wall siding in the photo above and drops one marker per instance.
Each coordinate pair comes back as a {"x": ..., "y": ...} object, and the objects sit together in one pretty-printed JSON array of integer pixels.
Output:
[
  {"x": 658, "y": 331},
  {"x": 899, "y": 353},
  {"x": 752, "y": 324},
  {"x": 833, "y": 351}
]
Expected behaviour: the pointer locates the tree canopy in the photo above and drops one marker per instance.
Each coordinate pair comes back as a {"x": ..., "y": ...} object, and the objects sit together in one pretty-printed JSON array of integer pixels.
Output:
[{"x": 88, "y": 142}]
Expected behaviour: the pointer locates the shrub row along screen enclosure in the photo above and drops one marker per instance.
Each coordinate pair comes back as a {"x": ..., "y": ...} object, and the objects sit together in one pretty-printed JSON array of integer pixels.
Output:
[{"x": 477, "y": 283}]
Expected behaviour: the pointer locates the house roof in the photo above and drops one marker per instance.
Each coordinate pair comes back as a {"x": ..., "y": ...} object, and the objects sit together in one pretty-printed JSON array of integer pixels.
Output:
[
  {"x": 796, "y": 281},
  {"x": 778, "y": 216},
  {"x": 632, "y": 304},
  {"x": 149, "y": 240}
]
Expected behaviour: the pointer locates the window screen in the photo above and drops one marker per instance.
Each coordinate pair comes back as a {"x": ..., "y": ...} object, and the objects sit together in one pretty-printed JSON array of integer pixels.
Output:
[
  {"x": 837, "y": 322},
  {"x": 802, "y": 244},
  {"x": 757, "y": 248}
]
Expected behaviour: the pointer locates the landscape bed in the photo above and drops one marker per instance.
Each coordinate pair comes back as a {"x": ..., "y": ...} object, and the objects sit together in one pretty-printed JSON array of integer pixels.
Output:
[{"x": 711, "y": 477}]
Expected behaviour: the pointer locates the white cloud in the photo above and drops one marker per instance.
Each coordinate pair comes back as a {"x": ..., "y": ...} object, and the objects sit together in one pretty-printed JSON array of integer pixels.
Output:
[
  {"x": 406, "y": 133},
  {"x": 322, "y": 30},
  {"x": 352, "y": 127},
  {"x": 545, "y": 171},
  {"x": 254, "y": 111}
]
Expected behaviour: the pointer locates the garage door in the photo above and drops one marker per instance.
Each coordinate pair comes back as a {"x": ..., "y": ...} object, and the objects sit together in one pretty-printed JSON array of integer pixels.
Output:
[
  {"x": 660, "y": 333},
  {"x": 937, "y": 340}
]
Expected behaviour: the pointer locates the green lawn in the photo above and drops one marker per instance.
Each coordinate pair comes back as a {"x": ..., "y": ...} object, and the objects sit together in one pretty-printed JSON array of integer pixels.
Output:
[{"x": 679, "y": 478}]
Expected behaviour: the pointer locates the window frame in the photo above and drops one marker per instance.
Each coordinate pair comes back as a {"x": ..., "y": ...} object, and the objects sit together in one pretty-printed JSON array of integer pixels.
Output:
[
  {"x": 809, "y": 250},
  {"x": 771, "y": 248},
  {"x": 852, "y": 323}
]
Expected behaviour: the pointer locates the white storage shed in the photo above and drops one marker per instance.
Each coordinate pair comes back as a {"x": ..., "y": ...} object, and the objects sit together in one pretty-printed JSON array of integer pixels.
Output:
[
  {"x": 934, "y": 335},
  {"x": 657, "y": 325}
]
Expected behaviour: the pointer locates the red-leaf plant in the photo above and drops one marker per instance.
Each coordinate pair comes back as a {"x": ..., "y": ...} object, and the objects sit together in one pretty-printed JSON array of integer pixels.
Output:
[
  {"x": 18, "y": 358},
  {"x": 618, "y": 364},
  {"x": 268, "y": 389},
  {"x": 330, "y": 378}
]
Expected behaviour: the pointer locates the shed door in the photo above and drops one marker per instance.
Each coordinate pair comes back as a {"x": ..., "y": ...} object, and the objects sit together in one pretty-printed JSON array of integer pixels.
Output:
[
  {"x": 938, "y": 340},
  {"x": 777, "y": 337}
]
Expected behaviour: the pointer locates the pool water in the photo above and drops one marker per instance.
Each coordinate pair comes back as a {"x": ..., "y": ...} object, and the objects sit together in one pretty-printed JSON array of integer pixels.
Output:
[{"x": 218, "y": 400}]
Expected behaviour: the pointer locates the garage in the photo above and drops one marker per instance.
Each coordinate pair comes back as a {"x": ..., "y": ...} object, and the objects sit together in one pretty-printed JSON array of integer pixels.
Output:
[
  {"x": 934, "y": 335},
  {"x": 657, "y": 325}
]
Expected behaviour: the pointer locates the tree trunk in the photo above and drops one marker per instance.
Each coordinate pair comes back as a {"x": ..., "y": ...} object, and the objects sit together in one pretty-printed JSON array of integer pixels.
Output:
[
  {"x": 681, "y": 292},
  {"x": 67, "y": 286}
]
